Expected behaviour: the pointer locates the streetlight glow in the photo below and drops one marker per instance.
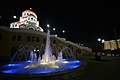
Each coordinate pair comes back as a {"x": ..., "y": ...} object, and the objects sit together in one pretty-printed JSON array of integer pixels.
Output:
[
  {"x": 48, "y": 25},
  {"x": 56, "y": 35},
  {"x": 53, "y": 29},
  {"x": 63, "y": 31},
  {"x": 103, "y": 40},
  {"x": 30, "y": 8},
  {"x": 15, "y": 17},
  {"x": 99, "y": 39}
]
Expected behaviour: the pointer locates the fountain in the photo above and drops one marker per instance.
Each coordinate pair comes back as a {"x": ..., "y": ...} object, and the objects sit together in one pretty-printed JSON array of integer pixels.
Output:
[{"x": 41, "y": 64}]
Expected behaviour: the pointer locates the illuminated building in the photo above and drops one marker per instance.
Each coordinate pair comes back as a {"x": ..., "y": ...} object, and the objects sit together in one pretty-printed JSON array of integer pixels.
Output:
[
  {"x": 28, "y": 20},
  {"x": 27, "y": 32},
  {"x": 112, "y": 44}
]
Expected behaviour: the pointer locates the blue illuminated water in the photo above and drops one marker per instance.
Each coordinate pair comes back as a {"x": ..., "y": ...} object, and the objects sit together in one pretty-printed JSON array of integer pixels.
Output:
[{"x": 19, "y": 68}]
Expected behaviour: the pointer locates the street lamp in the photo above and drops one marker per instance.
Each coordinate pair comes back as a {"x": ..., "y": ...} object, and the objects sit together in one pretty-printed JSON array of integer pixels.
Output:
[
  {"x": 56, "y": 35},
  {"x": 53, "y": 29},
  {"x": 100, "y": 45},
  {"x": 48, "y": 25},
  {"x": 30, "y": 8},
  {"x": 103, "y": 40},
  {"x": 63, "y": 31},
  {"x": 99, "y": 39},
  {"x": 14, "y": 17}
]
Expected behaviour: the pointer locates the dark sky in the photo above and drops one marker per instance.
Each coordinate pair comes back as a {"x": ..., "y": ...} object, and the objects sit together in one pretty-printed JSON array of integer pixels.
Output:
[{"x": 84, "y": 21}]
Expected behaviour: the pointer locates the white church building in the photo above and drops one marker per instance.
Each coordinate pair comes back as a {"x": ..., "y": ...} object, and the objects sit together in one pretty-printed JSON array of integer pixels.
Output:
[{"x": 28, "y": 21}]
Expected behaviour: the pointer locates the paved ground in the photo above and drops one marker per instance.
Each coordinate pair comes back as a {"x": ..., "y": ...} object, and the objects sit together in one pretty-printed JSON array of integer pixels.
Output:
[{"x": 108, "y": 68}]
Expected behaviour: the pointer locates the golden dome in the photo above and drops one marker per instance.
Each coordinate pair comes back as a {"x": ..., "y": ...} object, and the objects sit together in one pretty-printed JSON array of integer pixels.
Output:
[{"x": 30, "y": 12}]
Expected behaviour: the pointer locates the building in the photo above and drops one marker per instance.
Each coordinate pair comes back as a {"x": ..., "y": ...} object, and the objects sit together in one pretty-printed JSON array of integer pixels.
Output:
[
  {"x": 27, "y": 32},
  {"x": 28, "y": 20},
  {"x": 112, "y": 44}
]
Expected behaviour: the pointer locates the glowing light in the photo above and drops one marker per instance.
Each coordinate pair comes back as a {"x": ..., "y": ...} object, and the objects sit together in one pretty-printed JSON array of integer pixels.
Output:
[
  {"x": 15, "y": 17},
  {"x": 43, "y": 63},
  {"x": 63, "y": 31},
  {"x": 29, "y": 61},
  {"x": 48, "y": 25},
  {"x": 103, "y": 40},
  {"x": 30, "y": 8},
  {"x": 26, "y": 67},
  {"x": 53, "y": 29},
  {"x": 65, "y": 62},
  {"x": 55, "y": 66},
  {"x": 56, "y": 35},
  {"x": 13, "y": 64},
  {"x": 34, "y": 50},
  {"x": 99, "y": 39},
  {"x": 8, "y": 71},
  {"x": 38, "y": 50}
]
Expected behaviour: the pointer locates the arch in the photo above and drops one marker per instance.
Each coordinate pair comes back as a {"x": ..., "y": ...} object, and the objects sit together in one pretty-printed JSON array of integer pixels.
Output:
[{"x": 30, "y": 27}]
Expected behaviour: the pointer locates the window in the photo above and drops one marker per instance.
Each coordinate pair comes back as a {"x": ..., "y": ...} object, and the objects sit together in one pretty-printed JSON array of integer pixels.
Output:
[
  {"x": 15, "y": 25},
  {"x": 19, "y": 38},
  {"x": 33, "y": 38},
  {"x": 13, "y": 37},
  {"x": 37, "y": 39},
  {"x": 31, "y": 18},
  {"x": 28, "y": 38},
  {"x": 0, "y": 37},
  {"x": 28, "y": 18}
]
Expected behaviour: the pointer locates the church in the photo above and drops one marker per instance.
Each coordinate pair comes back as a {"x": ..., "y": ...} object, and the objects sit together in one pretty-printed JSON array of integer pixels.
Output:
[{"x": 27, "y": 33}]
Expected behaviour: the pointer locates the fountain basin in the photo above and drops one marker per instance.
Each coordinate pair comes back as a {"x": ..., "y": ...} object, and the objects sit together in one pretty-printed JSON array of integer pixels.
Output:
[{"x": 22, "y": 67}]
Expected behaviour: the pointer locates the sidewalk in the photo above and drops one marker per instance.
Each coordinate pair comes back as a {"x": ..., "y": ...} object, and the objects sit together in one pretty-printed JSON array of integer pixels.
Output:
[{"x": 108, "y": 68}]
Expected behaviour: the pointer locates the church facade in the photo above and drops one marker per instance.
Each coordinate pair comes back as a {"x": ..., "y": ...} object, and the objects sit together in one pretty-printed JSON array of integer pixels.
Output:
[
  {"x": 27, "y": 20},
  {"x": 27, "y": 32}
]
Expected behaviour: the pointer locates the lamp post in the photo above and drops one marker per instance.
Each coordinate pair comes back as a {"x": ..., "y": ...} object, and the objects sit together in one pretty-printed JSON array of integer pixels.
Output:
[
  {"x": 48, "y": 25},
  {"x": 63, "y": 31},
  {"x": 100, "y": 42}
]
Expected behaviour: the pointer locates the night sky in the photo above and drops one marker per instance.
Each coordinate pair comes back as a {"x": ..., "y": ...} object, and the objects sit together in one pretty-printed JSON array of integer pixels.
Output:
[{"x": 84, "y": 21}]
